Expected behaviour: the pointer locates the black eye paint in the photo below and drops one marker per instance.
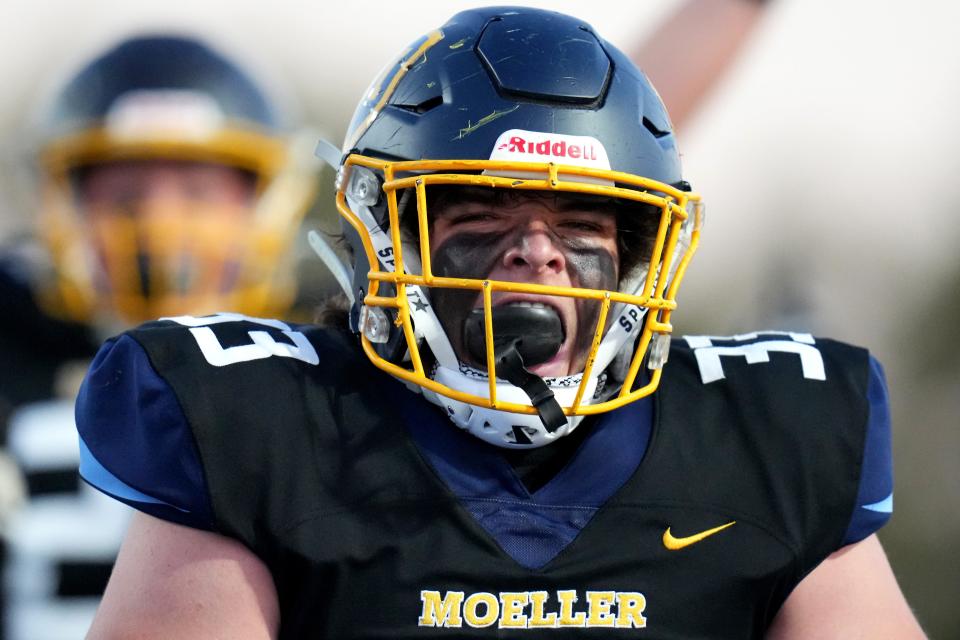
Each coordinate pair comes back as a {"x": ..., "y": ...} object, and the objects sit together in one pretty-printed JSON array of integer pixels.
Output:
[
  {"x": 465, "y": 255},
  {"x": 590, "y": 269},
  {"x": 474, "y": 255}
]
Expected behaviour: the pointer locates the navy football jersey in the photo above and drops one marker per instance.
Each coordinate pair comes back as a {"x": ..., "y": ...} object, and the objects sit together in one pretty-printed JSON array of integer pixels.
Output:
[{"x": 692, "y": 513}]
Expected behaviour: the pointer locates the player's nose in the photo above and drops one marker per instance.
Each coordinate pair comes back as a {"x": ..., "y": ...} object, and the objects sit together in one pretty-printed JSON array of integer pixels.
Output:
[{"x": 536, "y": 249}]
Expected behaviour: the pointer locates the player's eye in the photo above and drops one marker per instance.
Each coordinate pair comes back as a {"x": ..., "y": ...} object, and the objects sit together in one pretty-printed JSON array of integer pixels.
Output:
[
  {"x": 589, "y": 225},
  {"x": 581, "y": 225},
  {"x": 472, "y": 217}
]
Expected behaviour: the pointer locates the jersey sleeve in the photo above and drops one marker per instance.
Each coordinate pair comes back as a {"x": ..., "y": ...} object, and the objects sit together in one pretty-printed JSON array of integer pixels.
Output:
[
  {"x": 875, "y": 494},
  {"x": 135, "y": 442}
]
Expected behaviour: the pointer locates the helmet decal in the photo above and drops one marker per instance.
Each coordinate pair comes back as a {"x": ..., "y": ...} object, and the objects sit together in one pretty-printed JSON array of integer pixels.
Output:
[{"x": 532, "y": 146}]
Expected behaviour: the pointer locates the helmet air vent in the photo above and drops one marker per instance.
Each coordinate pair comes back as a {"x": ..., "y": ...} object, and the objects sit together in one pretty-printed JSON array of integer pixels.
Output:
[
  {"x": 652, "y": 128},
  {"x": 422, "y": 108}
]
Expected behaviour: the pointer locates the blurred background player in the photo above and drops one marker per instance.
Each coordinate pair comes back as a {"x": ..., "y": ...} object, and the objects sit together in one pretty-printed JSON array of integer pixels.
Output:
[{"x": 169, "y": 185}]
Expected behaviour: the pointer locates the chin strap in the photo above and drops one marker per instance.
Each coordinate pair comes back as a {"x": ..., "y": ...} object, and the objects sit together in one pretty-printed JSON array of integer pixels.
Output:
[
  {"x": 509, "y": 364},
  {"x": 521, "y": 333}
]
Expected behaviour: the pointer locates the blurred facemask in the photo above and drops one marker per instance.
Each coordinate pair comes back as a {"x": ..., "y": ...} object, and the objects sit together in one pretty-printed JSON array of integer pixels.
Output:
[{"x": 168, "y": 189}]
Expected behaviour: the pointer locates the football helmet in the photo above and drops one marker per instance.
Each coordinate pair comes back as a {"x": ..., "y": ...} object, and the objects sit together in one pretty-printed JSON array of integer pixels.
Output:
[
  {"x": 171, "y": 100},
  {"x": 513, "y": 101}
]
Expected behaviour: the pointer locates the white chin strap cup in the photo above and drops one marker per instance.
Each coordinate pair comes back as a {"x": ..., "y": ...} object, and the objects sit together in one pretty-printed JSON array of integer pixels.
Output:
[{"x": 504, "y": 428}]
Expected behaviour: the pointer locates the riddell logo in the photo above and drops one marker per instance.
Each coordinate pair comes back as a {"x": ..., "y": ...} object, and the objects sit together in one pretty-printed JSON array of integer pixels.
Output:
[
  {"x": 549, "y": 147},
  {"x": 537, "y": 146}
]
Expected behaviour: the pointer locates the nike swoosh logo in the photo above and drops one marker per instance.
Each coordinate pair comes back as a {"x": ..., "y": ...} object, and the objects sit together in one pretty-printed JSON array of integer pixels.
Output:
[{"x": 675, "y": 544}]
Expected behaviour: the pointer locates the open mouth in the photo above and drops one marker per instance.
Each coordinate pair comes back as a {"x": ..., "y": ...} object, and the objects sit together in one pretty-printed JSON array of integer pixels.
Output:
[{"x": 535, "y": 328}]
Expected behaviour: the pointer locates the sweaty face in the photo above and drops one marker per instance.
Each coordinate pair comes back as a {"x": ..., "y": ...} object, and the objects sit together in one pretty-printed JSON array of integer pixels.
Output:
[{"x": 531, "y": 237}]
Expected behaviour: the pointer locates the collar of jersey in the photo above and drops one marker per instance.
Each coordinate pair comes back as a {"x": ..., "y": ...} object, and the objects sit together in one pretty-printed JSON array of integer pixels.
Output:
[{"x": 472, "y": 469}]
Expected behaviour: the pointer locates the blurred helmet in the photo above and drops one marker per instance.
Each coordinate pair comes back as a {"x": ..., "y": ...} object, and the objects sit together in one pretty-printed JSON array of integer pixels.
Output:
[
  {"x": 171, "y": 106},
  {"x": 513, "y": 100}
]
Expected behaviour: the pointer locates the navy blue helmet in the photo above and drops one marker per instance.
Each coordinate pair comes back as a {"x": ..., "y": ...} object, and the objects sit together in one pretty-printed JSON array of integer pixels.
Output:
[{"x": 513, "y": 99}]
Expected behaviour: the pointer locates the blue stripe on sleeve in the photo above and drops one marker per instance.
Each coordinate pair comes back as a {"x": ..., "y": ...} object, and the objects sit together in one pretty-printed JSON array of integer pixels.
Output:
[
  {"x": 136, "y": 443},
  {"x": 100, "y": 477},
  {"x": 875, "y": 495}
]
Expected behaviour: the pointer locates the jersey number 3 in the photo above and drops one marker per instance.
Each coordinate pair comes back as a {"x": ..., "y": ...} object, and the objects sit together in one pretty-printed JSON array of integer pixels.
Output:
[
  {"x": 711, "y": 368},
  {"x": 262, "y": 346}
]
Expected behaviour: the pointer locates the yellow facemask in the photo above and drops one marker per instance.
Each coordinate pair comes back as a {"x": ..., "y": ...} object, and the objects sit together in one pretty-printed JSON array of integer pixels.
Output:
[{"x": 411, "y": 278}]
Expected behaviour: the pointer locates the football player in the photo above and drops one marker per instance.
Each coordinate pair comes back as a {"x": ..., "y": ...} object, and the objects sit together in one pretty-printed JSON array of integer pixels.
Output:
[
  {"x": 169, "y": 185},
  {"x": 493, "y": 443}
]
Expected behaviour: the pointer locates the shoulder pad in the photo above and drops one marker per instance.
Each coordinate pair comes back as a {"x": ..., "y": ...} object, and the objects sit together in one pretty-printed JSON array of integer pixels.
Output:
[{"x": 135, "y": 443}]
